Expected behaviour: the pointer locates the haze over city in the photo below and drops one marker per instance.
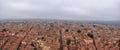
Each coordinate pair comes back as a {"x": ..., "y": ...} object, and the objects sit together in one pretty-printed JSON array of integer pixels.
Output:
[{"x": 59, "y": 24}]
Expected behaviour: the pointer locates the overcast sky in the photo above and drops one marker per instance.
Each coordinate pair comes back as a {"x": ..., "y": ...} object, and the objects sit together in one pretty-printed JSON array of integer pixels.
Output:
[{"x": 60, "y": 9}]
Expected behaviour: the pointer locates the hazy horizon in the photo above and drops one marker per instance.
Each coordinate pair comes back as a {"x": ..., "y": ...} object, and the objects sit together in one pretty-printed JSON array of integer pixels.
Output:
[{"x": 82, "y": 10}]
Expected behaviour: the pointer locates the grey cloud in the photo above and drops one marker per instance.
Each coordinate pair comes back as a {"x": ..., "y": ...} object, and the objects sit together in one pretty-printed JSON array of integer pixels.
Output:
[{"x": 61, "y": 9}]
